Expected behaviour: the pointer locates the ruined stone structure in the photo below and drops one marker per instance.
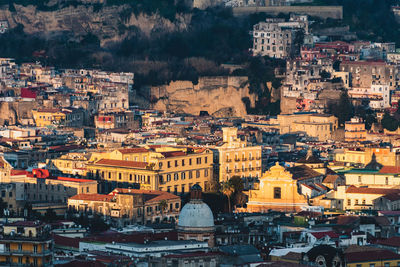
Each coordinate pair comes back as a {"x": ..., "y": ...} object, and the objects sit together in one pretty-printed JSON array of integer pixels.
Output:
[{"x": 219, "y": 96}]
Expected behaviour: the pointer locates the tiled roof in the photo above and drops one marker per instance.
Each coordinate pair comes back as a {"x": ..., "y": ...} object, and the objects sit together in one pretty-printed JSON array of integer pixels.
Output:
[
  {"x": 150, "y": 196},
  {"x": 122, "y": 163},
  {"x": 331, "y": 178},
  {"x": 319, "y": 235},
  {"x": 390, "y": 169},
  {"x": 369, "y": 190},
  {"x": 303, "y": 172},
  {"x": 391, "y": 242},
  {"x": 26, "y": 223},
  {"x": 92, "y": 197},
  {"x": 76, "y": 180},
  {"x": 18, "y": 172},
  {"x": 366, "y": 256},
  {"x": 346, "y": 220}
]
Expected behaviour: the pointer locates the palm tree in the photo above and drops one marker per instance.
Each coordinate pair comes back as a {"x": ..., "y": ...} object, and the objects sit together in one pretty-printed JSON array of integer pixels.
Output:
[
  {"x": 227, "y": 189},
  {"x": 163, "y": 205}
]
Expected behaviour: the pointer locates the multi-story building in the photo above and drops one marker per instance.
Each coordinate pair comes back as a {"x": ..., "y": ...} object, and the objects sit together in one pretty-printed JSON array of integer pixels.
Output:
[
  {"x": 362, "y": 156},
  {"x": 275, "y": 38},
  {"x": 367, "y": 73},
  {"x": 114, "y": 120},
  {"x": 72, "y": 164},
  {"x": 355, "y": 130},
  {"x": 139, "y": 206},
  {"x": 166, "y": 168},
  {"x": 236, "y": 157},
  {"x": 319, "y": 126},
  {"x": 378, "y": 95},
  {"x": 26, "y": 243},
  {"x": 39, "y": 186},
  {"x": 71, "y": 117}
]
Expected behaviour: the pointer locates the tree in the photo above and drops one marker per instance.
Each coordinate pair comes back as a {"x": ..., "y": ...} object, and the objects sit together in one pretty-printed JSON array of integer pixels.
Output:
[
  {"x": 389, "y": 122},
  {"x": 227, "y": 189},
  {"x": 162, "y": 205},
  {"x": 343, "y": 110}
]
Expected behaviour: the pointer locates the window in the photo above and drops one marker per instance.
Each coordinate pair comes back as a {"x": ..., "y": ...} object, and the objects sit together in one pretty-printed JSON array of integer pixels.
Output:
[
  {"x": 363, "y": 201},
  {"x": 87, "y": 189},
  {"x": 169, "y": 164},
  {"x": 168, "y": 177},
  {"x": 372, "y": 265},
  {"x": 176, "y": 163},
  {"x": 130, "y": 177},
  {"x": 356, "y": 202},
  {"x": 197, "y": 174},
  {"x": 198, "y": 160},
  {"x": 190, "y": 161},
  {"x": 190, "y": 174},
  {"x": 277, "y": 193},
  {"x": 176, "y": 205},
  {"x": 205, "y": 173},
  {"x": 183, "y": 175},
  {"x": 386, "y": 180},
  {"x": 176, "y": 177},
  {"x": 205, "y": 159},
  {"x": 387, "y": 264},
  {"x": 183, "y": 162},
  {"x": 119, "y": 176},
  {"x": 349, "y": 202}
]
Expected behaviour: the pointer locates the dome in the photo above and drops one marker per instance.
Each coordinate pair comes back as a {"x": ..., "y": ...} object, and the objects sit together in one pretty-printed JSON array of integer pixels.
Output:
[{"x": 196, "y": 215}]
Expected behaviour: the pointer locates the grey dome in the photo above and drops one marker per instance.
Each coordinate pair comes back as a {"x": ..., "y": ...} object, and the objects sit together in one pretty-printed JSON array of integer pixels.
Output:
[{"x": 196, "y": 215}]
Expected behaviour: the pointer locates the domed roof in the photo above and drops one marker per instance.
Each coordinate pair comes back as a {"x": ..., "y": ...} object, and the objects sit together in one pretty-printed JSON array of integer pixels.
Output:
[{"x": 196, "y": 215}]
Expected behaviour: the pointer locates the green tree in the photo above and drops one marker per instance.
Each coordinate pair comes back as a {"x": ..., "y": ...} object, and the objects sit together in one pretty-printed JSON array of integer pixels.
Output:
[
  {"x": 162, "y": 205},
  {"x": 389, "y": 122},
  {"x": 227, "y": 189},
  {"x": 343, "y": 110}
]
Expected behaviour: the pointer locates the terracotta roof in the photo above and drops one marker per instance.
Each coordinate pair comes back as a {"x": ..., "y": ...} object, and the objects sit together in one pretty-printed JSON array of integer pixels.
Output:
[
  {"x": 366, "y": 256},
  {"x": 92, "y": 197},
  {"x": 76, "y": 180},
  {"x": 390, "y": 169},
  {"x": 331, "y": 178},
  {"x": 369, "y": 190},
  {"x": 133, "y": 150},
  {"x": 320, "y": 235},
  {"x": 27, "y": 223},
  {"x": 18, "y": 172},
  {"x": 346, "y": 220},
  {"x": 150, "y": 196},
  {"x": 303, "y": 172},
  {"x": 122, "y": 163},
  {"x": 309, "y": 160},
  {"x": 390, "y": 242}
]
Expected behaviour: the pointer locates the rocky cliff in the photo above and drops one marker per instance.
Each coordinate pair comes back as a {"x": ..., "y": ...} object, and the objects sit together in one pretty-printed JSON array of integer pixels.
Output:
[
  {"x": 109, "y": 23},
  {"x": 219, "y": 96}
]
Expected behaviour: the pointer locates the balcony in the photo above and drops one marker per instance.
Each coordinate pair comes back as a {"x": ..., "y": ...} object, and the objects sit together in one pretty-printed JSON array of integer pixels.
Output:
[
  {"x": 237, "y": 170},
  {"x": 26, "y": 253},
  {"x": 258, "y": 158},
  {"x": 251, "y": 158},
  {"x": 237, "y": 159},
  {"x": 258, "y": 168},
  {"x": 244, "y": 169},
  {"x": 228, "y": 171},
  {"x": 228, "y": 160},
  {"x": 244, "y": 159}
]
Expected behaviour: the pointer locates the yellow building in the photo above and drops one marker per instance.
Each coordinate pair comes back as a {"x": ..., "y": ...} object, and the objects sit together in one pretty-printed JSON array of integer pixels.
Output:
[
  {"x": 354, "y": 130},
  {"x": 277, "y": 191},
  {"x": 138, "y": 174},
  {"x": 166, "y": 168},
  {"x": 138, "y": 206},
  {"x": 72, "y": 163},
  {"x": 236, "y": 157},
  {"x": 362, "y": 156},
  {"x": 46, "y": 117},
  {"x": 320, "y": 126},
  {"x": 26, "y": 243}
]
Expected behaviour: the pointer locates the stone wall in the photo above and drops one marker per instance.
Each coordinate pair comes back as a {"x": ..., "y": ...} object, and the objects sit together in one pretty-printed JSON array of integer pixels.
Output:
[
  {"x": 220, "y": 96},
  {"x": 16, "y": 112},
  {"x": 335, "y": 12}
]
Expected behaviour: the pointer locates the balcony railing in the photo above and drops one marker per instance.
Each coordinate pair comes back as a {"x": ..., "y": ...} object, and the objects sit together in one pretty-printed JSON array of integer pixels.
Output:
[
  {"x": 26, "y": 252},
  {"x": 244, "y": 159},
  {"x": 237, "y": 159},
  {"x": 251, "y": 158},
  {"x": 228, "y": 160},
  {"x": 237, "y": 170}
]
